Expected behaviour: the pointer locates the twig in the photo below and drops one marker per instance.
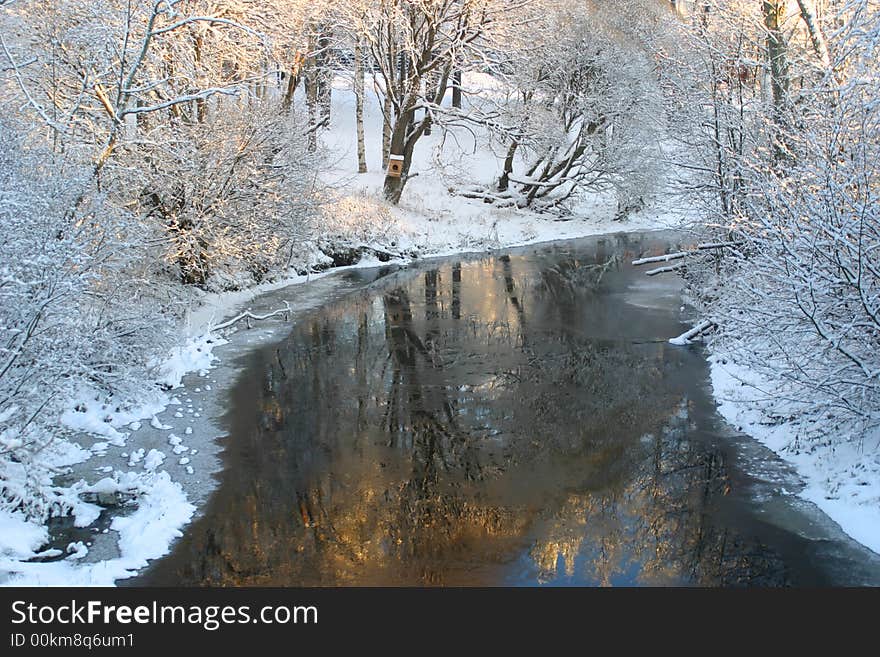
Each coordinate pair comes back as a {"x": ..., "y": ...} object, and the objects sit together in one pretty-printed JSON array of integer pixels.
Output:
[{"x": 718, "y": 245}]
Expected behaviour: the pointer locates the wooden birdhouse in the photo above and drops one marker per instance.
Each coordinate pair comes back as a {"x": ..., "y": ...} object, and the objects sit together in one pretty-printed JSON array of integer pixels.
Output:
[{"x": 395, "y": 166}]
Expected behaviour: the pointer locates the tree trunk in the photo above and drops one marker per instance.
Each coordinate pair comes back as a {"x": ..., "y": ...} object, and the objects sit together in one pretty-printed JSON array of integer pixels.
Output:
[
  {"x": 311, "y": 80},
  {"x": 774, "y": 16},
  {"x": 359, "y": 103},
  {"x": 200, "y": 103},
  {"x": 430, "y": 82},
  {"x": 456, "y": 89},
  {"x": 386, "y": 130},
  {"x": 406, "y": 133},
  {"x": 820, "y": 45},
  {"x": 393, "y": 187},
  {"x": 324, "y": 78},
  {"x": 293, "y": 78},
  {"x": 504, "y": 180}
]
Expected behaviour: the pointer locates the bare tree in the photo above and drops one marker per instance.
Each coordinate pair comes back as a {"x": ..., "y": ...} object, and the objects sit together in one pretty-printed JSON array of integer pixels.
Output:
[{"x": 415, "y": 47}]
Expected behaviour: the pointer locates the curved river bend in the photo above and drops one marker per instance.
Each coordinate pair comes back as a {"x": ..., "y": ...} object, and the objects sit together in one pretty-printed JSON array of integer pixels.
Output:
[{"x": 498, "y": 420}]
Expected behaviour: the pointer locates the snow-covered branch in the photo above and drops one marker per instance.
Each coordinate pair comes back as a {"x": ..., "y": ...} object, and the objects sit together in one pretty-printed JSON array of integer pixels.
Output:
[{"x": 248, "y": 315}]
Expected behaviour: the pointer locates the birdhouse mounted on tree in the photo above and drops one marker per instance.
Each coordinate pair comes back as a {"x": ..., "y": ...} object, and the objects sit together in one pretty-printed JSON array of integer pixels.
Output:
[{"x": 395, "y": 166}]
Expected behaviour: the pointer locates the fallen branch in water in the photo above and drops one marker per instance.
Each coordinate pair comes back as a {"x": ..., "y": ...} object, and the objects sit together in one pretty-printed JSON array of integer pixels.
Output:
[
  {"x": 662, "y": 258},
  {"x": 679, "y": 255},
  {"x": 248, "y": 315},
  {"x": 663, "y": 270},
  {"x": 686, "y": 337}
]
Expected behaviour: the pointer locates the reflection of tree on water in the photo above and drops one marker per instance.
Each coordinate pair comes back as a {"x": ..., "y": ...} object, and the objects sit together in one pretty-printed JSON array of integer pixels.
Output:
[
  {"x": 433, "y": 433},
  {"x": 655, "y": 528},
  {"x": 421, "y": 419}
]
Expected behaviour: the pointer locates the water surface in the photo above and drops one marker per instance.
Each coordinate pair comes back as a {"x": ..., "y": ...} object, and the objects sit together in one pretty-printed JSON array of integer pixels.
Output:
[{"x": 496, "y": 420}]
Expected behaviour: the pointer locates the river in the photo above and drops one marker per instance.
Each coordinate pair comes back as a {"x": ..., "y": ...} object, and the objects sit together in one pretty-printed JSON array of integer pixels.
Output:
[{"x": 515, "y": 418}]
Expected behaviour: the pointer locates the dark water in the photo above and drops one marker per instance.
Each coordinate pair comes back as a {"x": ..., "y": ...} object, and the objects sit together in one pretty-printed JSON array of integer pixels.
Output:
[{"x": 500, "y": 420}]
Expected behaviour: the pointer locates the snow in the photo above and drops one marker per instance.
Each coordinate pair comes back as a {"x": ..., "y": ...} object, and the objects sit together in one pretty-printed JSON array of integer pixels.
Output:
[
  {"x": 18, "y": 536},
  {"x": 135, "y": 458},
  {"x": 177, "y": 445},
  {"x": 87, "y": 412},
  {"x": 196, "y": 355},
  {"x": 154, "y": 459},
  {"x": 90, "y": 422},
  {"x": 143, "y": 535},
  {"x": 156, "y": 424},
  {"x": 163, "y": 511},
  {"x": 77, "y": 550},
  {"x": 84, "y": 513},
  {"x": 841, "y": 477},
  {"x": 107, "y": 485}
]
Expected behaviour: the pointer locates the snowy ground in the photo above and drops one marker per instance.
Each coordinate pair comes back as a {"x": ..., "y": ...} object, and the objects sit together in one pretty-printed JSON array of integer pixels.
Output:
[{"x": 429, "y": 220}]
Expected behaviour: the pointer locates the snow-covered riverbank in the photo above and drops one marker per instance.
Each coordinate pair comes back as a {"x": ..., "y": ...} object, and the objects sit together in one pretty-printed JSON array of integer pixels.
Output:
[{"x": 840, "y": 467}]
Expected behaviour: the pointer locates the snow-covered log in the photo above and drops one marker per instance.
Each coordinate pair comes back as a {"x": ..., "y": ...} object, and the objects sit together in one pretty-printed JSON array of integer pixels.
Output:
[
  {"x": 664, "y": 270},
  {"x": 663, "y": 258},
  {"x": 687, "y": 337}
]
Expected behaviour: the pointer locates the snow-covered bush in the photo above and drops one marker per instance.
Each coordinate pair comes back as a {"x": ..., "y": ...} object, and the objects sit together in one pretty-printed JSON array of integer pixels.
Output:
[
  {"x": 139, "y": 152},
  {"x": 232, "y": 194},
  {"x": 78, "y": 309},
  {"x": 357, "y": 219}
]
